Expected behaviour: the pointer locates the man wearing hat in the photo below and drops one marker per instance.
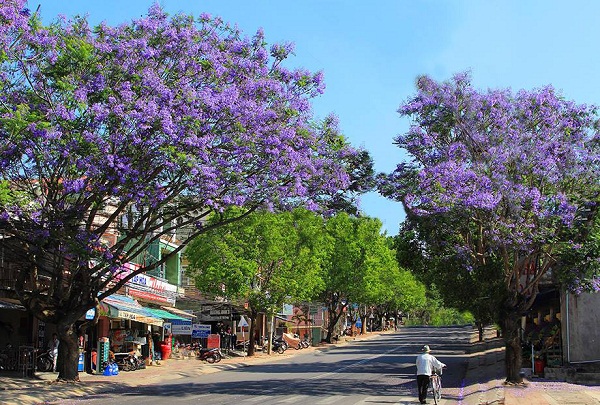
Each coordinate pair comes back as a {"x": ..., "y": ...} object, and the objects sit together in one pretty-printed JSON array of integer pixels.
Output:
[{"x": 426, "y": 363}]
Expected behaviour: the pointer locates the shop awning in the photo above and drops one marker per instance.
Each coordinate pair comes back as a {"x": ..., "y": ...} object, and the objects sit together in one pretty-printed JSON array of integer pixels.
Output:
[
  {"x": 167, "y": 316},
  {"x": 179, "y": 312},
  {"x": 120, "y": 306},
  {"x": 10, "y": 304}
]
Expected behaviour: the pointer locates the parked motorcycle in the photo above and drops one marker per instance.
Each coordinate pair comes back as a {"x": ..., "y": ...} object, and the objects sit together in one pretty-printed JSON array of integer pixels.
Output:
[
  {"x": 127, "y": 361},
  {"x": 209, "y": 355},
  {"x": 45, "y": 362},
  {"x": 141, "y": 362},
  {"x": 279, "y": 345},
  {"x": 302, "y": 343},
  {"x": 305, "y": 342}
]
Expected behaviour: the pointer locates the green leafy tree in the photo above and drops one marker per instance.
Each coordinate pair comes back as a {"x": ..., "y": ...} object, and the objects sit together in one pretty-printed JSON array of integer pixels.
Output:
[
  {"x": 403, "y": 293},
  {"x": 421, "y": 248},
  {"x": 267, "y": 259},
  {"x": 352, "y": 271},
  {"x": 387, "y": 288}
]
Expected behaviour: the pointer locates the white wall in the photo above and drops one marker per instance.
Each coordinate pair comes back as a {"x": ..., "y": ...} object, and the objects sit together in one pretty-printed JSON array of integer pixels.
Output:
[{"x": 581, "y": 327}]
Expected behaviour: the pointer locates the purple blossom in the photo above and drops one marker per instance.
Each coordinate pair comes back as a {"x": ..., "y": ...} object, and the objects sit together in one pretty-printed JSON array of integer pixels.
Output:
[
  {"x": 159, "y": 113},
  {"x": 74, "y": 186},
  {"x": 515, "y": 164}
]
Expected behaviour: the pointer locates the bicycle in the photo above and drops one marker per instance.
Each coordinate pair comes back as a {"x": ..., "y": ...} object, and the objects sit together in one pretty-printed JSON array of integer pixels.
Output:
[{"x": 435, "y": 383}]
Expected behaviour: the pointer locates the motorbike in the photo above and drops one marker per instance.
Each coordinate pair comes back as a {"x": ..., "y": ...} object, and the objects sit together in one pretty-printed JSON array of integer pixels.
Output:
[
  {"x": 281, "y": 341},
  {"x": 45, "y": 362},
  {"x": 302, "y": 342},
  {"x": 305, "y": 342},
  {"x": 279, "y": 345},
  {"x": 141, "y": 362},
  {"x": 209, "y": 355},
  {"x": 127, "y": 361}
]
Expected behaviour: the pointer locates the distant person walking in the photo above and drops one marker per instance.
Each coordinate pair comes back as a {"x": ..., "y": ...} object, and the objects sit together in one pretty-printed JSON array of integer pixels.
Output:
[
  {"x": 426, "y": 363},
  {"x": 53, "y": 349}
]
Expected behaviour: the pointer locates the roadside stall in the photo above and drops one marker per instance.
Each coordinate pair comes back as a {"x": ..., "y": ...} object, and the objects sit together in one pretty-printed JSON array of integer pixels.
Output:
[
  {"x": 129, "y": 324},
  {"x": 175, "y": 327}
]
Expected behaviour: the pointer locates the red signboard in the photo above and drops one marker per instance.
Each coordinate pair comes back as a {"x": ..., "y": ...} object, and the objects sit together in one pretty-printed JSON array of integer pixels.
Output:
[
  {"x": 213, "y": 341},
  {"x": 149, "y": 296}
]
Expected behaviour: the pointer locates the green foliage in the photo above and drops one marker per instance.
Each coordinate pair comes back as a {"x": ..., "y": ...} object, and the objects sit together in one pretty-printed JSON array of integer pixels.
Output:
[
  {"x": 443, "y": 317},
  {"x": 357, "y": 257},
  {"x": 433, "y": 311},
  {"x": 451, "y": 316},
  {"x": 428, "y": 252},
  {"x": 8, "y": 196},
  {"x": 5, "y": 195},
  {"x": 362, "y": 271},
  {"x": 267, "y": 259}
]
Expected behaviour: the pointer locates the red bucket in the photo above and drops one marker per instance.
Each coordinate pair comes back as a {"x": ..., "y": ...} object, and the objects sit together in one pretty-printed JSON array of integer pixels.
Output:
[
  {"x": 165, "y": 351},
  {"x": 538, "y": 366}
]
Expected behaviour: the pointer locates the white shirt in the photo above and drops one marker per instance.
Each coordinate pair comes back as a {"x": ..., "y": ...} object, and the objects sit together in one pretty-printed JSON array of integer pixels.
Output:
[
  {"x": 426, "y": 363},
  {"x": 53, "y": 346}
]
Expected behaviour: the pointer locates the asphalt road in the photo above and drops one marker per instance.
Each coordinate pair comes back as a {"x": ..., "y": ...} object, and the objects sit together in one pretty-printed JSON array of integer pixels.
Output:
[{"x": 374, "y": 371}]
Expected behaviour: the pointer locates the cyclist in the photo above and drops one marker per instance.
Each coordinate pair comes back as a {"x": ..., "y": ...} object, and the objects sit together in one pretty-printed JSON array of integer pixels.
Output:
[{"x": 426, "y": 363}]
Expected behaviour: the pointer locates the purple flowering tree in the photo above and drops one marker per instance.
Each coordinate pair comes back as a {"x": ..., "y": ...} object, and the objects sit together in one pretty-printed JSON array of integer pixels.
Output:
[
  {"x": 111, "y": 137},
  {"x": 508, "y": 181}
]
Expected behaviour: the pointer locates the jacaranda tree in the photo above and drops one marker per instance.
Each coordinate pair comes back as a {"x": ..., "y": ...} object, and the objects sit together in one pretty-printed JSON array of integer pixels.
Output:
[
  {"x": 135, "y": 130},
  {"x": 507, "y": 178}
]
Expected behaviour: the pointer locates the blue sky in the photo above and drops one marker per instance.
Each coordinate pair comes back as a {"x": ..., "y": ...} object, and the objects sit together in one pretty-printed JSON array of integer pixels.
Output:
[{"x": 371, "y": 53}]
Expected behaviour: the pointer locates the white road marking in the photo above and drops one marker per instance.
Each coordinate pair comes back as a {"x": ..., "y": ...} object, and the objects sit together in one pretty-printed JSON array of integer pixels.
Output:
[
  {"x": 358, "y": 363},
  {"x": 332, "y": 399},
  {"x": 295, "y": 399}
]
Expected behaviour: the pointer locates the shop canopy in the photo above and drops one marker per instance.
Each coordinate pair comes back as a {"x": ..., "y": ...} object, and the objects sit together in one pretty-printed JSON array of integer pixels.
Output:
[
  {"x": 120, "y": 306},
  {"x": 180, "y": 312},
  {"x": 167, "y": 316},
  {"x": 6, "y": 303}
]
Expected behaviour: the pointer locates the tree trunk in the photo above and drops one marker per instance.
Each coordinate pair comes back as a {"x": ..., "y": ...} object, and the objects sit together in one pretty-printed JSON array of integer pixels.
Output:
[
  {"x": 333, "y": 316},
  {"x": 363, "y": 318},
  {"x": 514, "y": 355},
  {"x": 68, "y": 351},
  {"x": 480, "y": 330},
  {"x": 271, "y": 331},
  {"x": 252, "y": 332},
  {"x": 330, "y": 325}
]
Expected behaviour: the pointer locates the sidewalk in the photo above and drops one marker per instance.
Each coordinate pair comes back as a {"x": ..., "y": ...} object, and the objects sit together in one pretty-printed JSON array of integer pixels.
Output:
[
  {"x": 483, "y": 382},
  {"x": 544, "y": 392},
  {"x": 44, "y": 389},
  {"x": 484, "y": 379}
]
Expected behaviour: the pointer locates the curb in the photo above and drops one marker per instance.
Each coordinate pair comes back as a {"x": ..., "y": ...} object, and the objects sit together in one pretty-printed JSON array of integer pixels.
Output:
[{"x": 484, "y": 373}]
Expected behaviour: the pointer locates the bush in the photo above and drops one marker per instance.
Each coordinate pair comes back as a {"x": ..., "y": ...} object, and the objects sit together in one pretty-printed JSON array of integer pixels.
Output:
[
  {"x": 451, "y": 316},
  {"x": 441, "y": 317}
]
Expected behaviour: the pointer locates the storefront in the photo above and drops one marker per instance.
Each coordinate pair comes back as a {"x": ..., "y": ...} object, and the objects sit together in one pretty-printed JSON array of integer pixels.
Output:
[
  {"x": 12, "y": 318},
  {"x": 126, "y": 323},
  {"x": 177, "y": 326},
  {"x": 541, "y": 332}
]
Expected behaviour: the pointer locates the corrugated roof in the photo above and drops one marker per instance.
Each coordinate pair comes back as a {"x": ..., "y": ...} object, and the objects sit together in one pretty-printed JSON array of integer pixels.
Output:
[
  {"x": 166, "y": 315},
  {"x": 128, "y": 308},
  {"x": 179, "y": 312}
]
